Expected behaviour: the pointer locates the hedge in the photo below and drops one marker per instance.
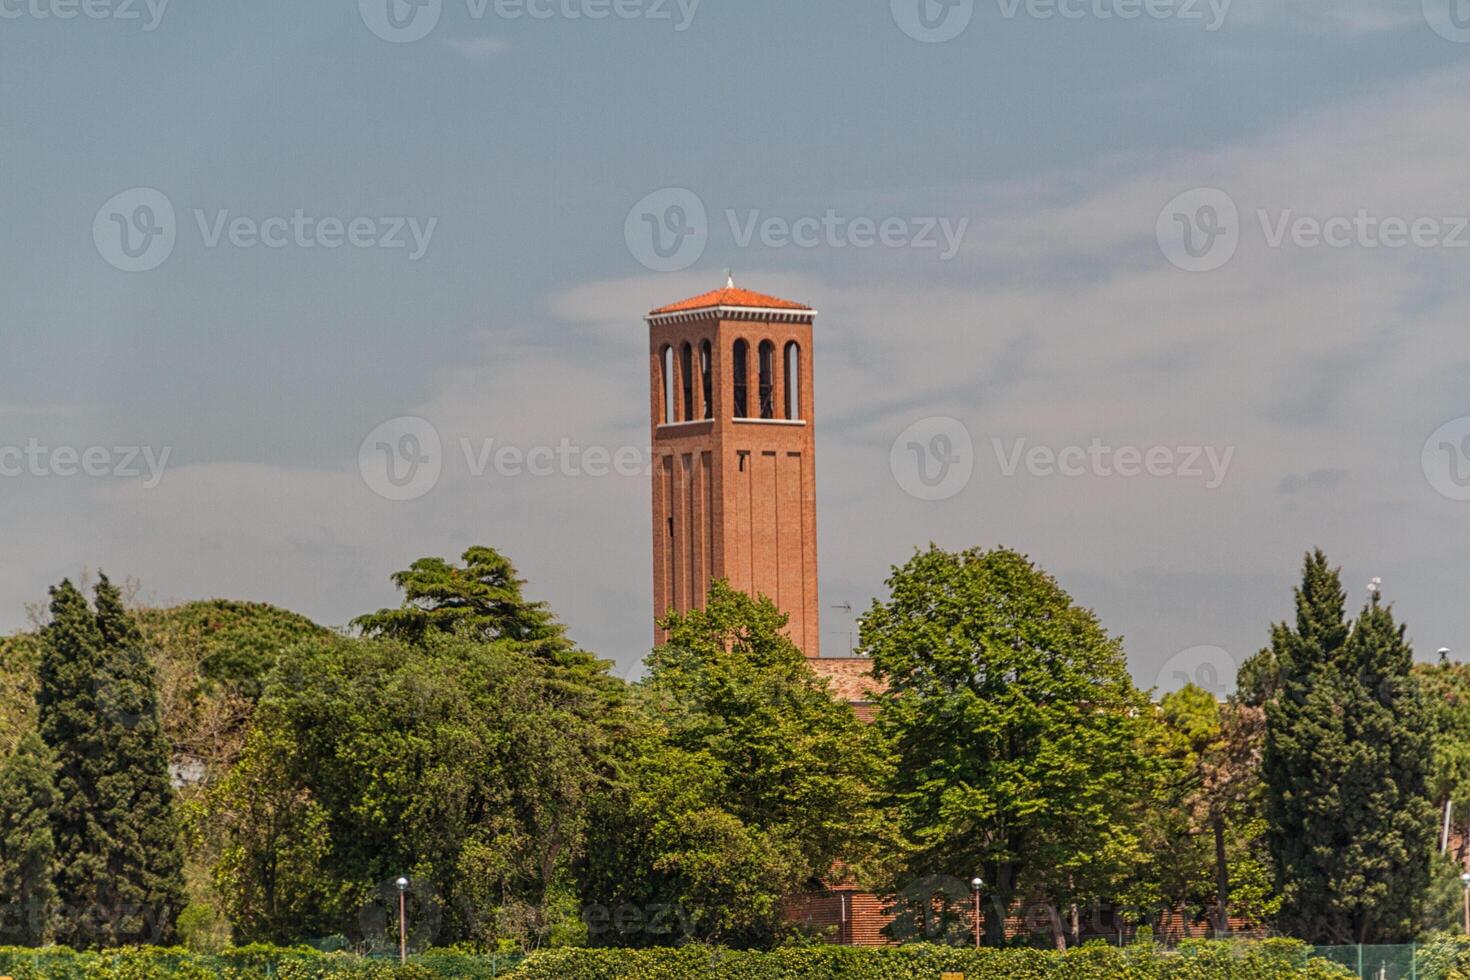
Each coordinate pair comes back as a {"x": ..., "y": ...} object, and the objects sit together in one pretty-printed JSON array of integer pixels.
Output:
[
  {"x": 1269, "y": 960},
  {"x": 242, "y": 963}
]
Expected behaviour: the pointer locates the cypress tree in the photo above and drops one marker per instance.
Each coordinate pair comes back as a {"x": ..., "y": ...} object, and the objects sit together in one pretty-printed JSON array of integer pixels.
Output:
[
  {"x": 118, "y": 870},
  {"x": 1345, "y": 763},
  {"x": 71, "y": 660},
  {"x": 147, "y": 892},
  {"x": 1389, "y": 814},
  {"x": 27, "y": 849}
]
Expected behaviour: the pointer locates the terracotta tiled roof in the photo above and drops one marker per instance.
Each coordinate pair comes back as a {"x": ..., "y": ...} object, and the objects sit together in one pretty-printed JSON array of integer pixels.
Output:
[
  {"x": 729, "y": 296},
  {"x": 850, "y": 678}
]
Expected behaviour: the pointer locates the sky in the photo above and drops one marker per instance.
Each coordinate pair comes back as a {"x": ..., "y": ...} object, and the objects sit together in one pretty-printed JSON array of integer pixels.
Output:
[{"x": 1162, "y": 293}]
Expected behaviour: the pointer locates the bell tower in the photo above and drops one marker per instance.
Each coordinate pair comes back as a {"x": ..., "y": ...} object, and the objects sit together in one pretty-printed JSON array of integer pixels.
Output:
[{"x": 734, "y": 473}]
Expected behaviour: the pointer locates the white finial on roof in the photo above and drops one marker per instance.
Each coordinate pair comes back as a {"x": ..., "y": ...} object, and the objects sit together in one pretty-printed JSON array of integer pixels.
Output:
[{"x": 729, "y": 278}]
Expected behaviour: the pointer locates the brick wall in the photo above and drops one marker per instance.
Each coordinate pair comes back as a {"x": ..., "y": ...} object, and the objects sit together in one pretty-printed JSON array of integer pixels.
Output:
[{"x": 850, "y": 917}]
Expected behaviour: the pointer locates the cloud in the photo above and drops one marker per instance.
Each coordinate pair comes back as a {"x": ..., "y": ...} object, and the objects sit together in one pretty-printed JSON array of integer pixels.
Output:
[
  {"x": 1353, "y": 17},
  {"x": 1326, "y": 479},
  {"x": 479, "y": 48},
  {"x": 1061, "y": 323}
]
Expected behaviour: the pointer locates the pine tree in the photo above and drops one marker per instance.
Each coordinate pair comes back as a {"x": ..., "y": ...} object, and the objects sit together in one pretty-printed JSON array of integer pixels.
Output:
[
  {"x": 27, "y": 850},
  {"x": 1345, "y": 766},
  {"x": 118, "y": 868}
]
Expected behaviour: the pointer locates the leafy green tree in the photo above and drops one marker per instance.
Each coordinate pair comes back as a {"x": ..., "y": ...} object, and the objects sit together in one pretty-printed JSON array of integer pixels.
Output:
[
  {"x": 746, "y": 784},
  {"x": 1445, "y": 687},
  {"x": 269, "y": 839},
  {"x": 1206, "y": 835},
  {"x": 451, "y": 761},
  {"x": 27, "y": 849},
  {"x": 1022, "y": 745},
  {"x": 226, "y": 644},
  {"x": 1345, "y": 766},
  {"x": 1178, "y": 870},
  {"x": 118, "y": 859}
]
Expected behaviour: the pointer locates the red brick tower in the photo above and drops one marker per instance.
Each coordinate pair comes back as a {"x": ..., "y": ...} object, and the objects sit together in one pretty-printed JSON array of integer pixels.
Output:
[{"x": 734, "y": 474}]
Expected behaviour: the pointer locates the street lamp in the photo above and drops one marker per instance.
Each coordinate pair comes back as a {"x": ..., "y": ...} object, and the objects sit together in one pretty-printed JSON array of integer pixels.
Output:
[
  {"x": 1465, "y": 880},
  {"x": 976, "y": 884},
  {"x": 402, "y": 884}
]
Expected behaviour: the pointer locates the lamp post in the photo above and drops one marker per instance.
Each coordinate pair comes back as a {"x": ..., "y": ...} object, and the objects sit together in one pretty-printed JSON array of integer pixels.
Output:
[
  {"x": 402, "y": 884},
  {"x": 976, "y": 884}
]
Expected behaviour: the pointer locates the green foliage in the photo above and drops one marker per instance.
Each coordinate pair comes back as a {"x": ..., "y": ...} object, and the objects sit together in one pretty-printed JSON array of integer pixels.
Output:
[
  {"x": 747, "y": 783},
  {"x": 1446, "y": 694},
  {"x": 1345, "y": 764},
  {"x": 1023, "y": 750},
  {"x": 1443, "y": 908},
  {"x": 118, "y": 863},
  {"x": 243, "y": 963},
  {"x": 1197, "y": 961},
  {"x": 482, "y": 600},
  {"x": 20, "y": 656},
  {"x": 1205, "y": 836},
  {"x": 231, "y": 644},
  {"x": 27, "y": 849},
  {"x": 1178, "y": 869},
  {"x": 457, "y": 763}
]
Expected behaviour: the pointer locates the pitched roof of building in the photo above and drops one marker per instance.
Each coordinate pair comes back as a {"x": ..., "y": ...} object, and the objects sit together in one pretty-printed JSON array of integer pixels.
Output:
[
  {"x": 731, "y": 295},
  {"x": 849, "y": 678}
]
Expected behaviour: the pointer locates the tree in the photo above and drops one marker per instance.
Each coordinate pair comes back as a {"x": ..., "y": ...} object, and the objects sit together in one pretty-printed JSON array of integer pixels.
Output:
[
  {"x": 27, "y": 849},
  {"x": 119, "y": 872},
  {"x": 1020, "y": 740},
  {"x": 1179, "y": 872},
  {"x": 19, "y": 661},
  {"x": 1345, "y": 765},
  {"x": 746, "y": 784},
  {"x": 1445, "y": 688},
  {"x": 228, "y": 646},
  {"x": 1206, "y": 837},
  {"x": 450, "y": 761},
  {"x": 1231, "y": 801},
  {"x": 481, "y": 599}
]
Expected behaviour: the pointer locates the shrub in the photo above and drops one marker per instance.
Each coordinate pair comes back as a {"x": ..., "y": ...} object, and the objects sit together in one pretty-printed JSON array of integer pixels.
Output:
[
  {"x": 1279, "y": 960},
  {"x": 1272, "y": 960},
  {"x": 241, "y": 963}
]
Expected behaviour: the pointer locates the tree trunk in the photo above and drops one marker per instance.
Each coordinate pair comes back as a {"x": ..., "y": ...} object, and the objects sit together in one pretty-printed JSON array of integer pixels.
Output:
[
  {"x": 1059, "y": 935},
  {"x": 1222, "y": 882},
  {"x": 995, "y": 921},
  {"x": 998, "y": 899}
]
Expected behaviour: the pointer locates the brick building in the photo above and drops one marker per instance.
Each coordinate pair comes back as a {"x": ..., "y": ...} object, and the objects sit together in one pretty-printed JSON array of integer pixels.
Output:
[{"x": 734, "y": 478}]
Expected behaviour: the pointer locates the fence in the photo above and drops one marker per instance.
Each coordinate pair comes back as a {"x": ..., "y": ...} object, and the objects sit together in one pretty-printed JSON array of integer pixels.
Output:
[{"x": 1415, "y": 961}]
